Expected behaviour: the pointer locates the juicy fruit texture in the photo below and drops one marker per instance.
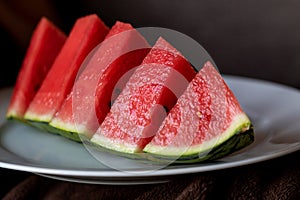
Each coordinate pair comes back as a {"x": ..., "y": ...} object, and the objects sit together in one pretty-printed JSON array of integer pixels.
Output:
[
  {"x": 122, "y": 50},
  {"x": 139, "y": 109},
  {"x": 204, "y": 117},
  {"x": 45, "y": 44},
  {"x": 87, "y": 32}
]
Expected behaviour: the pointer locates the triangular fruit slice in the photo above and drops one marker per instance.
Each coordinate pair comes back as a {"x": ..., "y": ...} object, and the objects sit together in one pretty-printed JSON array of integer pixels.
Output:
[
  {"x": 87, "y": 105},
  {"x": 140, "y": 108},
  {"x": 207, "y": 122},
  {"x": 87, "y": 32},
  {"x": 45, "y": 43}
]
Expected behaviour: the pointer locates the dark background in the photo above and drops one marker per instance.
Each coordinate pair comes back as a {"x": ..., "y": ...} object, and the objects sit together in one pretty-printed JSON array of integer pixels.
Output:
[{"x": 252, "y": 38}]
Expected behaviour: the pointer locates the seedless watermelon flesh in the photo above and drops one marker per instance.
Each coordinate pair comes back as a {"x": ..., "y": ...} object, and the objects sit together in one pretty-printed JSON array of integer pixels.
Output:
[
  {"x": 87, "y": 32},
  {"x": 45, "y": 43},
  {"x": 207, "y": 122},
  {"x": 138, "y": 110},
  {"x": 122, "y": 50}
]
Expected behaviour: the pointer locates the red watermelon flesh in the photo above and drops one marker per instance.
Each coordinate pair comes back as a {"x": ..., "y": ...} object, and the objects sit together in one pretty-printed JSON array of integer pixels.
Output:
[
  {"x": 122, "y": 50},
  {"x": 137, "y": 111},
  {"x": 205, "y": 116},
  {"x": 87, "y": 32},
  {"x": 45, "y": 44}
]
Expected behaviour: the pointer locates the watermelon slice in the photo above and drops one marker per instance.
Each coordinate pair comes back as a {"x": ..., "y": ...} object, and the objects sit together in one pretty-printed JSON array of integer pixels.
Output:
[
  {"x": 207, "y": 122},
  {"x": 87, "y": 32},
  {"x": 122, "y": 50},
  {"x": 139, "y": 109},
  {"x": 45, "y": 44}
]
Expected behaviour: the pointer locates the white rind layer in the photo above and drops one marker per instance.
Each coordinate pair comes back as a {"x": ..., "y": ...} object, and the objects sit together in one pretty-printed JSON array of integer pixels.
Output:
[
  {"x": 239, "y": 123},
  {"x": 114, "y": 145},
  {"x": 30, "y": 116}
]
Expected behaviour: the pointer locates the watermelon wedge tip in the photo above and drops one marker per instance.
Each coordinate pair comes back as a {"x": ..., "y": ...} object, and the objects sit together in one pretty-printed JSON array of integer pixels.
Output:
[
  {"x": 89, "y": 102},
  {"x": 45, "y": 44},
  {"x": 206, "y": 123},
  {"x": 87, "y": 32}
]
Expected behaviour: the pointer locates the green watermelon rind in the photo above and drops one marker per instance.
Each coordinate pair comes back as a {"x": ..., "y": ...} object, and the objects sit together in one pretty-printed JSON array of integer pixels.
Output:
[
  {"x": 68, "y": 134},
  {"x": 65, "y": 128},
  {"x": 135, "y": 156},
  {"x": 39, "y": 118},
  {"x": 239, "y": 122},
  {"x": 42, "y": 122},
  {"x": 239, "y": 135},
  {"x": 44, "y": 126},
  {"x": 237, "y": 142},
  {"x": 114, "y": 145},
  {"x": 14, "y": 116}
]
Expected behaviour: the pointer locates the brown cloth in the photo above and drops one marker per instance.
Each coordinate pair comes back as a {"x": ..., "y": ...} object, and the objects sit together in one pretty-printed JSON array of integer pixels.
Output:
[{"x": 274, "y": 179}]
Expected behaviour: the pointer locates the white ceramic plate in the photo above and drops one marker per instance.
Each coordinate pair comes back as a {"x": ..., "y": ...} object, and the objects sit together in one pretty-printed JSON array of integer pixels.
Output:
[{"x": 273, "y": 108}]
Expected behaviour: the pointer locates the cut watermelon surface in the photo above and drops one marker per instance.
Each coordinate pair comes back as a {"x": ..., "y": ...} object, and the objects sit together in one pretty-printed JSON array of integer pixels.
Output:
[
  {"x": 139, "y": 109},
  {"x": 207, "y": 122},
  {"x": 89, "y": 102},
  {"x": 45, "y": 44},
  {"x": 87, "y": 32}
]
